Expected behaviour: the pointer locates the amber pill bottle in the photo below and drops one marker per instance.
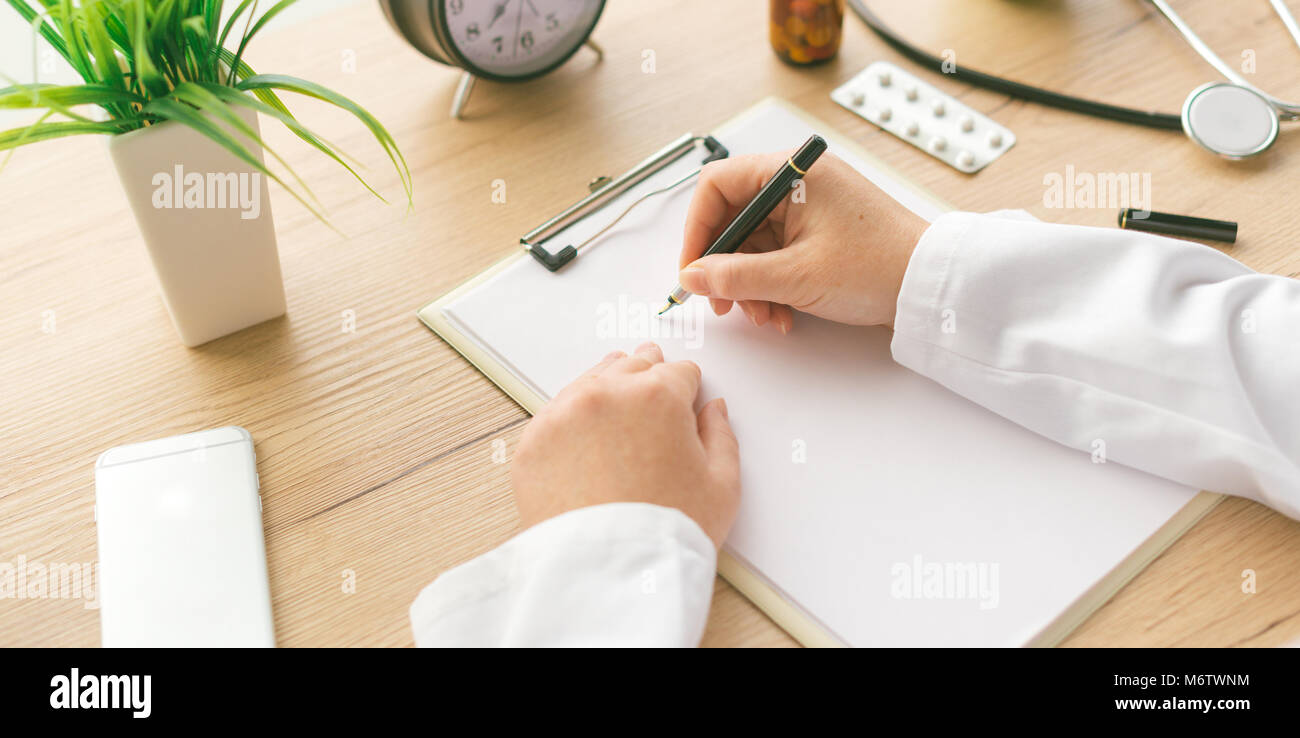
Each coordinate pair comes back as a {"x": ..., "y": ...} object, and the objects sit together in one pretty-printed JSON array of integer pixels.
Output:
[{"x": 806, "y": 32}]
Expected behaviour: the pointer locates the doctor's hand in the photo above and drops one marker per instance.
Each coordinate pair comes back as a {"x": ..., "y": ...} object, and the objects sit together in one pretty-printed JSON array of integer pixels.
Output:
[
  {"x": 838, "y": 250},
  {"x": 626, "y": 431}
]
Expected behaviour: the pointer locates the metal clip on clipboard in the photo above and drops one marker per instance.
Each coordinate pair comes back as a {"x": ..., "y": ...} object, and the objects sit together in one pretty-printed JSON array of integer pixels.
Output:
[{"x": 605, "y": 190}]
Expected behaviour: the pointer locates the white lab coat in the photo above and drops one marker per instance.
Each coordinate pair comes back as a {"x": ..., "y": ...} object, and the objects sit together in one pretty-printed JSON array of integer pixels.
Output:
[{"x": 1185, "y": 361}]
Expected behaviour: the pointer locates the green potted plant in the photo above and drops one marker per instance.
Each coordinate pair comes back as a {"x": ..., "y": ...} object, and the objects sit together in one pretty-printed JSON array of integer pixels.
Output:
[{"x": 167, "y": 81}]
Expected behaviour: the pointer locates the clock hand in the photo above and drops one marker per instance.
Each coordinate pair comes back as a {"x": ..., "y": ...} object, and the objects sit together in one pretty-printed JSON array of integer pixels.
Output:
[
  {"x": 519, "y": 26},
  {"x": 532, "y": 7},
  {"x": 498, "y": 11}
]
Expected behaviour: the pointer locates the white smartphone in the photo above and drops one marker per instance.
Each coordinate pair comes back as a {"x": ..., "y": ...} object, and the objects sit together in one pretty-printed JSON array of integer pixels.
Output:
[{"x": 181, "y": 552}]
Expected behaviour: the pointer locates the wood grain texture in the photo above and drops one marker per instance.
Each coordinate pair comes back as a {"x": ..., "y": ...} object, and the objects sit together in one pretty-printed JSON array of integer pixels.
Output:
[{"x": 376, "y": 447}]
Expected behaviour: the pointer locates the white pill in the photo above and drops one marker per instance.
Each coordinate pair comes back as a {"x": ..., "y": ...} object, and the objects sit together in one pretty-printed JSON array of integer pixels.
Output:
[
  {"x": 886, "y": 114},
  {"x": 886, "y": 79},
  {"x": 995, "y": 139},
  {"x": 859, "y": 99},
  {"x": 938, "y": 107},
  {"x": 938, "y": 143},
  {"x": 966, "y": 159},
  {"x": 913, "y": 128},
  {"x": 912, "y": 94},
  {"x": 967, "y": 123}
]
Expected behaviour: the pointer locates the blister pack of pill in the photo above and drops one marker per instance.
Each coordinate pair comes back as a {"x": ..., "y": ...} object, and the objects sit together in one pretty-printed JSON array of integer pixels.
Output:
[{"x": 924, "y": 116}]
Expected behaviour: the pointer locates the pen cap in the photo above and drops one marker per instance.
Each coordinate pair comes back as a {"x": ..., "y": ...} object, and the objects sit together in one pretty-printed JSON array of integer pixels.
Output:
[
  {"x": 1179, "y": 226},
  {"x": 809, "y": 153}
]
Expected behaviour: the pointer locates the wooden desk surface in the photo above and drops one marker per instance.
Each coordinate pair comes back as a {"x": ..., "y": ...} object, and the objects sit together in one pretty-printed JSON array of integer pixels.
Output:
[{"x": 376, "y": 447}]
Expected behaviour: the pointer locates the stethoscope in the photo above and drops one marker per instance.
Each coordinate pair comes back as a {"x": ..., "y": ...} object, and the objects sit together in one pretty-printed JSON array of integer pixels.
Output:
[{"x": 1233, "y": 119}]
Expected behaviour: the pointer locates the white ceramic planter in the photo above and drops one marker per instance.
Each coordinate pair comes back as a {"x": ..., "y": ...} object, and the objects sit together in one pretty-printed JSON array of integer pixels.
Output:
[{"x": 206, "y": 220}]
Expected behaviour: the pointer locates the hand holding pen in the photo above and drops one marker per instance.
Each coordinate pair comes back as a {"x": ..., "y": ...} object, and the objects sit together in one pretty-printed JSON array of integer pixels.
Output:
[
  {"x": 839, "y": 253},
  {"x": 770, "y": 195}
]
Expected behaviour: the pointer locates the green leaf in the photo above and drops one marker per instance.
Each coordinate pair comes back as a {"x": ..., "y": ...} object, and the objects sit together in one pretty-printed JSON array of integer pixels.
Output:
[
  {"x": 47, "y": 32},
  {"x": 44, "y": 131},
  {"x": 268, "y": 96},
  {"x": 45, "y": 96},
  {"x": 230, "y": 24},
  {"x": 210, "y": 104},
  {"x": 185, "y": 115},
  {"x": 311, "y": 89},
  {"x": 235, "y": 97},
  {"x": 261, "y": 22}
]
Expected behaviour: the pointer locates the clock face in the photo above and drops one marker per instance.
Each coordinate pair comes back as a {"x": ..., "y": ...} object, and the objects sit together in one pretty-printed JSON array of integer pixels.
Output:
[{"x": 518, "y": 38}]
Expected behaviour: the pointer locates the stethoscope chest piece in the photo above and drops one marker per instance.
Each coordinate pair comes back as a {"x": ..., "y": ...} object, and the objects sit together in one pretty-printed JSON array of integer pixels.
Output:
[{"x": 1230, "y": 120}]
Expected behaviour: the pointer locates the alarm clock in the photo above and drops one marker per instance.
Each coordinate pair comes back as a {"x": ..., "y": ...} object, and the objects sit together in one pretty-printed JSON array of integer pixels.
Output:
[{"x": 501, "y": 40}]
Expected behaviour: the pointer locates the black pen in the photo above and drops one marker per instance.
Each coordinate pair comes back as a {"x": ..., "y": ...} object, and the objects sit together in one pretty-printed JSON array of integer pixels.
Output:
[{"x": 759, "y": 208}]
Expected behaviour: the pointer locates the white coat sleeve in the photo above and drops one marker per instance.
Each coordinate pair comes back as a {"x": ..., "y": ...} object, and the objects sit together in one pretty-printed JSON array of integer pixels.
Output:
[
  {"x": 1170, "y": 356},
  {"x": 624, "y": 574}
]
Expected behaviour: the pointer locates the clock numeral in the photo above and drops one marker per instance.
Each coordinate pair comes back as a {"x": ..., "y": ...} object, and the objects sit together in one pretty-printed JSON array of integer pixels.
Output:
[
  {"x": 500, "y": 42},
  {"x": 526, "y": 40},
  {"x": 472, "y": 31},
  {"x": 457, "y": 6},
  {"x": 552, "y": 22}
]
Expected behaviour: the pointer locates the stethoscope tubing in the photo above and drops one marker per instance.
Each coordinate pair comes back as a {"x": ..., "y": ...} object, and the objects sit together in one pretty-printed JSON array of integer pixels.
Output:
[
  {"x": 1151, "y": 119},
  {"x": 1285, "y": 110}
]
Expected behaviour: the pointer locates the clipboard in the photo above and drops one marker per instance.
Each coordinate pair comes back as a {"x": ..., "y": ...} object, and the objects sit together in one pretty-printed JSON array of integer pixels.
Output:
[
  {"x": 791, "y": 618},
  {"x": 788, "y": 614}
]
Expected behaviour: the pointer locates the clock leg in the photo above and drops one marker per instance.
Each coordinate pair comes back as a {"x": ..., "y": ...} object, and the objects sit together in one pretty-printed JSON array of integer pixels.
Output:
[
  {"x": 600, "y": 53},
  {"x": 463, "y": 91}
]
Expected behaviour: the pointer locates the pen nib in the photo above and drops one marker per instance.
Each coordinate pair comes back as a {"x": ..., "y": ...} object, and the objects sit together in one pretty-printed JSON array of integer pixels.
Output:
[{"x": 667, "y": 307}]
